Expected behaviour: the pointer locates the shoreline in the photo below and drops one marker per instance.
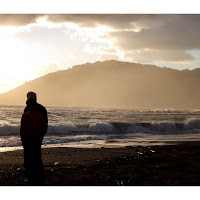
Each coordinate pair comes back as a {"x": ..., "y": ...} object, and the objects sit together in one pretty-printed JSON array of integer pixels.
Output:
[
  {"x": 92, "y": 144},
  {"x": 160, "y": 165}
]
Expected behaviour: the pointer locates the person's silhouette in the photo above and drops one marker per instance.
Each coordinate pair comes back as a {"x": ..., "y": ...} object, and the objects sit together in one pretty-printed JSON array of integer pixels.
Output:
[{"x": 32, "y": 130}]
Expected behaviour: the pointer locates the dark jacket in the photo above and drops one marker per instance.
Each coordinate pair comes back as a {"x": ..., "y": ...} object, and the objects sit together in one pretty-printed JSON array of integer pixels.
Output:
[
  {"x": 33, "y": 125},
  {"x": 41, "y": 109}
]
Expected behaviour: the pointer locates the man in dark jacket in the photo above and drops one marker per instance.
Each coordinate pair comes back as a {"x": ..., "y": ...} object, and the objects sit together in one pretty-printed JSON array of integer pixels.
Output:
[
  {"x": 32, "y": 130},
  {"x": 39, "y": 107}
]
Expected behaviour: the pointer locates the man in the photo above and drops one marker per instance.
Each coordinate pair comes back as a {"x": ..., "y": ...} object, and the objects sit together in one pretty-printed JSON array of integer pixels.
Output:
[
  {"x": 40, "y": 108},
  {"x": 32, "y": 130}
]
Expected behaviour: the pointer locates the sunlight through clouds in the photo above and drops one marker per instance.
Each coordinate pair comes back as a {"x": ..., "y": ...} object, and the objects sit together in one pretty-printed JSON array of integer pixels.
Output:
[
  {"x": 19, "y": 60},
  {"x": 35, "y": 45}
]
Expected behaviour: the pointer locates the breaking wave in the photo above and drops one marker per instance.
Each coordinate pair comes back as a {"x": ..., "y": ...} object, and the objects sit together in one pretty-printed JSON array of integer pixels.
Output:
[{"x": 114, "y": 127}]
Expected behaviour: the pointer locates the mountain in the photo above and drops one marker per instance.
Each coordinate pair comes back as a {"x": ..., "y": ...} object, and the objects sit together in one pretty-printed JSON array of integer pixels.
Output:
[{"x": 113, "y": 84}]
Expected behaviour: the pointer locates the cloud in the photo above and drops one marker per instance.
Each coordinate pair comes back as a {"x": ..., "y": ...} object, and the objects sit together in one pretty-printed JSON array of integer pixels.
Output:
[
  {"x": 141, "y": 37},
  {"x": 176, "y": 32},
  {"x": 89, "y": 20},
  {"x": 46, "y": 69},
  {"x": 145, "y": 38},
  {"x": 169, "y": 41},
  {"x": 152, "y": 55},
  {"x": 18, "y": 19},
  {"x": 116, "y": 21},
  {"x": 134, "y": 22},
  {"x": 2, "y": 84},
  {"x": 103, "y": 57}
]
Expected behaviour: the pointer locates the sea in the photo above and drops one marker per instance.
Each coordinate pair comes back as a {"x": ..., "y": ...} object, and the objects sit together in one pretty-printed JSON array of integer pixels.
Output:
[{"x": 101, "y": 128}]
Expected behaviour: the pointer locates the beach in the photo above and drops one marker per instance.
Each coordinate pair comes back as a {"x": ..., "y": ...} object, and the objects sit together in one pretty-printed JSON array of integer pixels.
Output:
[{"x": 161, "y": 165}]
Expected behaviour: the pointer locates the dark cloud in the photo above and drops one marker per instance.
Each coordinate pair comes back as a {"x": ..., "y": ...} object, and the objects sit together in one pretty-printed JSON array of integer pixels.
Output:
[
  {"x": 18, "y": 19},
  {"x": 117, "y": 21},
  {"x": 175, "y": 33},
  {"x": 170, "y": 40},
  {"x": 83, "y": 20},
  {"x": 93, "y": 20}
]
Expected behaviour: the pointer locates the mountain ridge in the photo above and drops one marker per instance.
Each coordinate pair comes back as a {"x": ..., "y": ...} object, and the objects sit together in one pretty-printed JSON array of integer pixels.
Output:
[{"x": 113, "y": 84}]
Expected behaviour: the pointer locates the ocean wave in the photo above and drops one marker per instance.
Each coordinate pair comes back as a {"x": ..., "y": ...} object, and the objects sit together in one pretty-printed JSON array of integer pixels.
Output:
[
  {"x": 9, "y": 130},
  {"x": 114, "y": 127},
  {"x": 192, "y": 124}
]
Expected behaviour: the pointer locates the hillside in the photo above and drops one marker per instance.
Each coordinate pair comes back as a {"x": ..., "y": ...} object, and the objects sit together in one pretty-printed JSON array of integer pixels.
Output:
[{"x": 113, "y": 84}]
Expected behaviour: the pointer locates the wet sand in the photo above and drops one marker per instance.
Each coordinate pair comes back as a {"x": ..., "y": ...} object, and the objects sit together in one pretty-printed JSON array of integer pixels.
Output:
[{"x": 164, "y": 165}]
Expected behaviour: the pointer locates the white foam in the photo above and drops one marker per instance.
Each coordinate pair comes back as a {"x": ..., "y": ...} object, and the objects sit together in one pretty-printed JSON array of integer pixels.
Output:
[
  {"x": 163, "y": 127},
  {"x": 64, "y": 129},
  {"x": 101, "y": 128},
  {"x": 95, "y": 128},
  {"x": 192, "y": 124}
]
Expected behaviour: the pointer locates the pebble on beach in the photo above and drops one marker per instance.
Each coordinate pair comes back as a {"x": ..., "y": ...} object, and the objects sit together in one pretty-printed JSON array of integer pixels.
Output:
[{"x": 56, "y": 163}]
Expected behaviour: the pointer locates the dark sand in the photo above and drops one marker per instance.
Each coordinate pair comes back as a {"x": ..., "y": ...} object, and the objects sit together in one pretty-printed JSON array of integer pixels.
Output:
[{"x": 170, "y": 165}]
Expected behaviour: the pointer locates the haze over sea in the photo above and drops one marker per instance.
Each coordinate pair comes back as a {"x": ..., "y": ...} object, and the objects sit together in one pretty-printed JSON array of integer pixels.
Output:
[{"x": 93, "y": 127}]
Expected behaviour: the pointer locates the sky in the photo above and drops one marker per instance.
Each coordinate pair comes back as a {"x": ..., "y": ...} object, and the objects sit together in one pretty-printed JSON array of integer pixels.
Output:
[{"x": 32, "y": 45}]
